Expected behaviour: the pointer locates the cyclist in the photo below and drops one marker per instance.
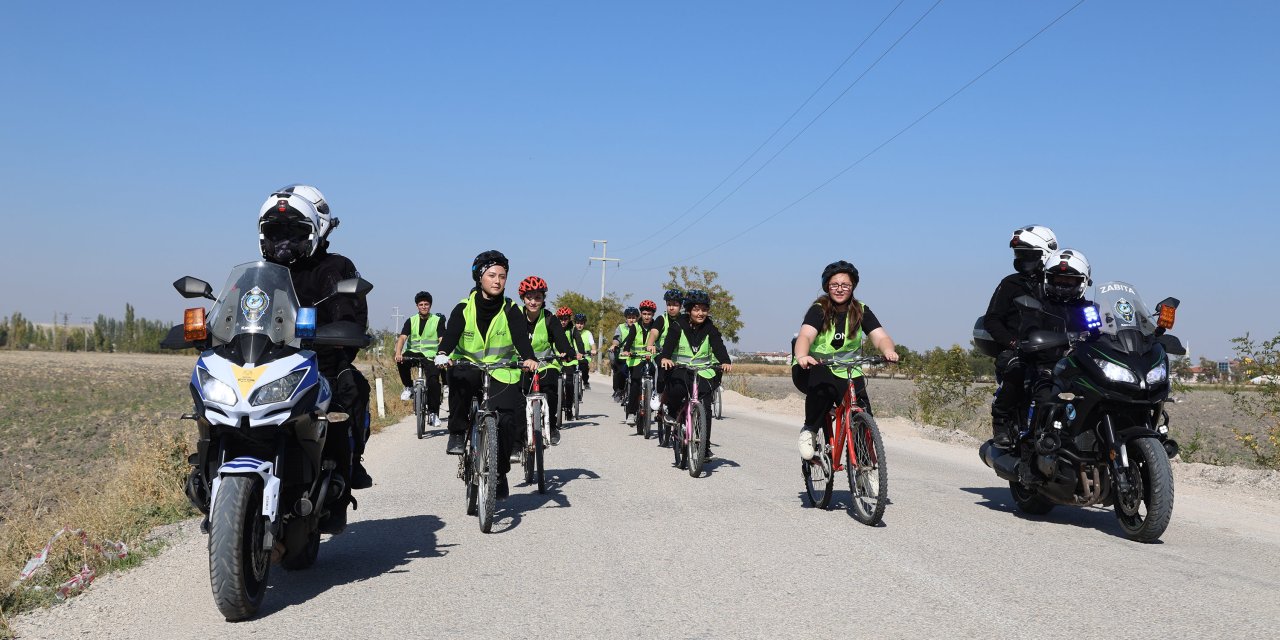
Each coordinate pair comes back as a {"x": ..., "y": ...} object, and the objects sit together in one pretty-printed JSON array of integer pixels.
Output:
[
  {"x": 674, "y": 298},
  {"x": 693, "y": 340},
  {"x": 834, "y": 328},
  {"x": 588, "y": 350},
  {"x": 1031, "y": 246},
  {"x": 564, "y": 314},
  {"x": 630, "y": 315},
  {"x": 419, "y": 338},
  {"x": 294, "y": 224},
  {"x": 633, "y": 344},
  {"x": 548, "y": 341},
  {"x": 487, "y": 327}
]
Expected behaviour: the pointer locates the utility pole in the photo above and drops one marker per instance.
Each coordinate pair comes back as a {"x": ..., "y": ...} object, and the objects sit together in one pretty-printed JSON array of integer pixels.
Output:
[
  {"x": 395, "y": 318},
  {"x": 604, "y": 261}
]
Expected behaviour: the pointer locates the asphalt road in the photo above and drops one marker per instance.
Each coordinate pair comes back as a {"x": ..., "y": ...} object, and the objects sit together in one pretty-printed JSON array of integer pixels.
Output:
[{"x": 625, "y": 545}]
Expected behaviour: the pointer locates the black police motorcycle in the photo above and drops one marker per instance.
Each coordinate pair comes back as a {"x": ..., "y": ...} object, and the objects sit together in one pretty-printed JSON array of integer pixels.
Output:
[{"x": 1103, "y": 438}]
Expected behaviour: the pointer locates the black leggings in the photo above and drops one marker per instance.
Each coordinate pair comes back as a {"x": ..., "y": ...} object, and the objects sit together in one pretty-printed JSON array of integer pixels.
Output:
[
  {"x": 429, "y": 372},
  {"x": 465, "y": 384},
  {"x": 823, "y": 389},
  {"x": 679, "y": 385}
]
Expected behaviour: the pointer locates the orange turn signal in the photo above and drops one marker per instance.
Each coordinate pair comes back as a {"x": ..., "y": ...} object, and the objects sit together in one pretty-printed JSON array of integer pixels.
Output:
[
  {"x": 193, "y": 327},
  {"x": 1166, "y": 316}
]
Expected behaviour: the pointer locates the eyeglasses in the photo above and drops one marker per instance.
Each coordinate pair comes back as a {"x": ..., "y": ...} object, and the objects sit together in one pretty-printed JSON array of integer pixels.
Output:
[{"x": 835, "y": 286}]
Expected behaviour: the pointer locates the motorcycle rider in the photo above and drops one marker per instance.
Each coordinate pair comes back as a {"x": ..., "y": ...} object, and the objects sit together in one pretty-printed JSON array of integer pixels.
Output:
[
  {"x": 1066, "y": 276},
  {"x": 419, "y": 338},
  {"x": 487, "y": 327},
  {"x": 1031, "y": 246},
  {"x": 547, "y": 337},
  {"x": 294, "y": 224}
]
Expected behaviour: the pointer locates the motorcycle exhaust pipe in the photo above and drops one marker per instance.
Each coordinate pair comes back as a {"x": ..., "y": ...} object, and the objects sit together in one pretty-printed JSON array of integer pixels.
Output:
[
  {"x": 1171, "y": 447},
  {"x": 1004, "y": 463}
]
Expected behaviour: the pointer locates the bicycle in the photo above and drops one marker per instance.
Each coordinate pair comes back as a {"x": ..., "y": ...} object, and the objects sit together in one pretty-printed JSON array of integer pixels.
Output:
[
  {"x": 851, "y": 443},
  {"x": 717, "y": 402},
  {"x": 478, "y": 466},
  {"x": 536, "y": 435},
  {"x": 419, "y": 394},
  {"x": 570, "y": 378},
  {"x": 688, "y": 444},
  {"x": 644, "y": 414}
]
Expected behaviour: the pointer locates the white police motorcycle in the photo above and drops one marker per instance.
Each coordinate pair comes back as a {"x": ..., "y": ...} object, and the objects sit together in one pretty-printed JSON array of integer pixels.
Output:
[{"x": 261, "y": 406}]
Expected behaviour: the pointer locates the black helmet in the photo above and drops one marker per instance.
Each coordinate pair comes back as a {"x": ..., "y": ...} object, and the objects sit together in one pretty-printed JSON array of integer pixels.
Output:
[
  {"x": 839, "y": 266},
  {"x": 696, "y": 296},
  {"x": 579, "y": 317},
  {"x": 422, "y": 295},
  {"x": 631, "y": 312},
  {"x": 488, "y": 259},
  {"x": 673, "y": 295}
]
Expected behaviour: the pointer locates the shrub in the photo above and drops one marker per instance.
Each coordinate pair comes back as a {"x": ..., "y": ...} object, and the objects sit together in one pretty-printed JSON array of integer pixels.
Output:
[
  {"x": 945, "y": 394},
  {"x": 1260, "y": 360}
]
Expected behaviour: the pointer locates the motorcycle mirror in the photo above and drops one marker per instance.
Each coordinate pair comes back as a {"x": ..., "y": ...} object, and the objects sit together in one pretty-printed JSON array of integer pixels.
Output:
[
  {"x": 353, "y": 286},
  {"x": 191, "y": 287}
]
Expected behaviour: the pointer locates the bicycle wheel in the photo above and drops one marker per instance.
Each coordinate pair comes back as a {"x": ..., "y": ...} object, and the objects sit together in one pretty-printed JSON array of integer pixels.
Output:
[
  {"x": 696, "y": 447},
  {"x": 717, "y": 403},
  {"x": 487, "y": 473},
  {"x": 577, "y": 397},
  {"x": 663, "y": 429},
  {"x": 420, "y": 409},
  {"x": 466, "y": 468},
  {"x": 646, "y": 412},
  {"x": 819, "y": 482},
  {"x": 677, "y": 443},
  {"x": 539, "y": 470},
  {"x": 869, "y": 474},
  {"x": 530, "y": 444}
]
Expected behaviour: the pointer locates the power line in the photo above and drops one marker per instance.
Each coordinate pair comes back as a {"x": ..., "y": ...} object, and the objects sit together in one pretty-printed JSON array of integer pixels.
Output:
[
  {"x": 878, "y": 147},
  {"x": 775, "y": 131},
  {"x": 801, "y": 132}
]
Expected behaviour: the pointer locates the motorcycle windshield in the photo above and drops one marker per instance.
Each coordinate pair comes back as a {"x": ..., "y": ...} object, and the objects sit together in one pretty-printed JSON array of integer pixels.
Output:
[
  {"x": 1121, "y": 308},
  {"x": 258, "y": 298}
]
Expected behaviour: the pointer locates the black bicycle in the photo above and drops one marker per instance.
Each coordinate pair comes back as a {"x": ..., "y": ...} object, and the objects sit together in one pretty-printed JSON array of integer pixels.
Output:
[
  {"x": 478, "y": 466},
  {"x": 419, "y": 393}
]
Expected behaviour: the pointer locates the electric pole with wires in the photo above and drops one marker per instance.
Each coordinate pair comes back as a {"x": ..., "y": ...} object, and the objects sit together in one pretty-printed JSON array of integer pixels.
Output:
[{"x": 604, "y": 260}]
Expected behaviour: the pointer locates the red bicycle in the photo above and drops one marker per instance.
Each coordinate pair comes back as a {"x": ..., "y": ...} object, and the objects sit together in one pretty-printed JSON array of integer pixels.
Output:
[{"x": 851, "y": 443}]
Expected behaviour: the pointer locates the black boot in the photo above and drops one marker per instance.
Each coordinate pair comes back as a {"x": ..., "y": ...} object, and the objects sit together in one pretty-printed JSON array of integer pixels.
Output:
[
  {"x": 454, "y": 446},
  {"x": 360, "y": 479},
  {"x": 336, "y": 521},
  {"x": 1001, "y": 434},
  {"x": 503, "y": 489}
]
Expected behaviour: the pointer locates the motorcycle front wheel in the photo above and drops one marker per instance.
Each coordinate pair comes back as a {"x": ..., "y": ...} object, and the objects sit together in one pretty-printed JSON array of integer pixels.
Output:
[
  {"x": 1145, "y": 513},
  {"x": 238, "y": 563}
]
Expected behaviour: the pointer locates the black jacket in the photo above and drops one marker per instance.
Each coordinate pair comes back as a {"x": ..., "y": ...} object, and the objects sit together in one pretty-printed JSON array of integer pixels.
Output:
[
  {"x": 1003, "y": 318},
  {"x": 313, "y": 280},
  {"x": 1058, "y": 317}
]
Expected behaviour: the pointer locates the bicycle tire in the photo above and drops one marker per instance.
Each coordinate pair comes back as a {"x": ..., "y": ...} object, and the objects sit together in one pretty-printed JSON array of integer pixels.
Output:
[
  {"x": 420, "y": 410},
  {"x": 538, "y": 447},
  {"x": 869, "y": 477},
  {"x": 698, "y": 441},
  {"x": 577, "y": 397},
  {"x": 527, "y": 448},
  {"x": 468, "y": 473},
  {"x": 717, "y": 403},
  {"x": 487, "y": 473},
  {"x": 676, "y": 438},
  {"x": 663, "y": 429},
  {"x": 646, "y": 415}
]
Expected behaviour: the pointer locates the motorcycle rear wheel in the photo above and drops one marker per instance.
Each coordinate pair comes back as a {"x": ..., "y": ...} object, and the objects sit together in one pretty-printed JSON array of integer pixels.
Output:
[
  {"x": 1152, "y": 479},
  {"x": 1028, "y": 501}
]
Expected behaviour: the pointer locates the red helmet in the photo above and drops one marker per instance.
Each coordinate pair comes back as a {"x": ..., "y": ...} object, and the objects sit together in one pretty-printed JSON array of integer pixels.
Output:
[
  {"x": 564, "y": 312},
  {"x": 648, "y": 305},
  {"x": 532, "y": 283}
]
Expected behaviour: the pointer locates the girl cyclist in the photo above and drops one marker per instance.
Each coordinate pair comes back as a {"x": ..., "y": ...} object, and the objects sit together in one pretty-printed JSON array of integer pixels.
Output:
[
  {"x": 833, "y": 329},
  {"x": 693, "y": 339},
  {"x": 546, "y": 335}
]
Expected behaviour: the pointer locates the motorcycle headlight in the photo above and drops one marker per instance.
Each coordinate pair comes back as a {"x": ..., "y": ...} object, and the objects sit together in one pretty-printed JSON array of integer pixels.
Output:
[
  {"x": 1158, "y": 374},
  {"x": 215, "y": 390},
  {"x": 1116, "y": 372},
  {"x": 278, "y": 391}
]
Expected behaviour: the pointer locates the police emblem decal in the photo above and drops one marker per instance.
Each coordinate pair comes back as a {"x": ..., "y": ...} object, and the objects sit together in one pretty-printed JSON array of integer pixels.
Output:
[
  {"x": 254, "y": 305},
  {"x": 1125, "y": 311}
]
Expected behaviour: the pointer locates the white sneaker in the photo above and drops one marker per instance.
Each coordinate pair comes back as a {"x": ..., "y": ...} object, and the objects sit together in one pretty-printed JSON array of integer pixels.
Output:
[
  {"x": 655, "y": 403},
  {"x": 433, "y": 420},
  {"x": 806, "y": 444},
  {"x": 406, "y": 394}
]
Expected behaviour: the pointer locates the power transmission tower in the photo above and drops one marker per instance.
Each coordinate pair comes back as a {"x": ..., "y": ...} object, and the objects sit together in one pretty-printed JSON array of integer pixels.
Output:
[{"x": 395, "y": 318}]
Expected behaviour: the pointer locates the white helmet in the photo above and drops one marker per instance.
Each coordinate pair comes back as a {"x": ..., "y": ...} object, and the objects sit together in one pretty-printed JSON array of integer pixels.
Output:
[
  {"x": 293, "y": 223},
  {"x": 1066, "y": 275},
  {"x": 1031, "y": 247}
]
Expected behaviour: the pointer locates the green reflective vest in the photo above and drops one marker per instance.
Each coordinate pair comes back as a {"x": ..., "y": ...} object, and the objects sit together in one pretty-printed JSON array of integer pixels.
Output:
[
  {"x": 540, "y": 336},
  {"x": 637, "y": 344},
  {"x": 494, "y": 347},
  {"x": 666, "y": 328},
  {"x": 701, "y": 358},
  {"x": 822, "y": 349},
  {"x": 424, "y": 337},
  {"x": 588, "y": 341}
]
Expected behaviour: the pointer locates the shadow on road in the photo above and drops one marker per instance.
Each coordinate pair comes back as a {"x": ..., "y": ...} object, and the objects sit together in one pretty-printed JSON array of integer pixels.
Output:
[
  {"x": 368, "y": 549},
  {"x": 511, "y": 511},
  {"x": 1096, "y": 518}
]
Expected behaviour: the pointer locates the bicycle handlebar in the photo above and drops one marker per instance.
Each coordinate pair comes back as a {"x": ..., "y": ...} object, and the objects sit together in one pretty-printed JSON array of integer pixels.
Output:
[{"x": 852, "y": 364}]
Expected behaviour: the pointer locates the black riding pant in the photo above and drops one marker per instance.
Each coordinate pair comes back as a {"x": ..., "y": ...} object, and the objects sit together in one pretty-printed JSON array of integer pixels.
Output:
[
  {"x": 465, "y": 383},
  {"x": 429, "y": 372},
  {"x": 679, "y": 385},
  {"x": 584, "y": 369},
  {"x": 549, "y": 384},
  {"x": 823, "y": 390},
  {"x": 346, "y": 440},
  {"x": 1011, "y": 394},
  {"x": 637, "y": 376}
]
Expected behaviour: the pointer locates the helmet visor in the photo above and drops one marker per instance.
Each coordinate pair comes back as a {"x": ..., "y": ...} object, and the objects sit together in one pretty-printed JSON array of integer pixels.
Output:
[{"x": 293, "y": 231}]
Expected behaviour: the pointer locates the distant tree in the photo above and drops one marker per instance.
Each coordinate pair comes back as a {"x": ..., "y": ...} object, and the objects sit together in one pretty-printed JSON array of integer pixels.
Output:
[
  {"x": 1263, "y": 404},
  {"x": 602, "y": 315},
  {"x": 1208, "y": 369},
  {"x": 723, "y": 311}
]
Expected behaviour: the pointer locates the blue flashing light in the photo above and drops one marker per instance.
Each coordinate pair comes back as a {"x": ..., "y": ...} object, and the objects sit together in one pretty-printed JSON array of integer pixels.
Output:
[
  {"x": 1092, "y": 321},
  {"x": 306, "y": 324}
]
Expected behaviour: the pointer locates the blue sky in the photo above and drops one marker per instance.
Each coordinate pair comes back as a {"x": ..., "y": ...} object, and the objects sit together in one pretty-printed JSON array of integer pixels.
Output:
[{"x": 139, "y": 139}]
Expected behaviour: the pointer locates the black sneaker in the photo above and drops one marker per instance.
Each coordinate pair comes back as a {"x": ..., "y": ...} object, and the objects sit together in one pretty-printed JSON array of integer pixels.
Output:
[
  {"x": 336, "y": 521},
  {"x": 1002, "y": 436},
  {"x": 555, "y": 435},
  {"x": 454, "y": 447},
  {"x": 360, "y": 479},
  {"x": 503, "y": 489}
]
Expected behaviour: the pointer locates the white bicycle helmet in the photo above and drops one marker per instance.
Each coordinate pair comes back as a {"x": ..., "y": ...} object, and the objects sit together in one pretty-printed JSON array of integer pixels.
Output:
[
  {"x": 1031, "y": 246},
  {"x": 1066, "y": 275},
  {"x": 290, "y": 226}
]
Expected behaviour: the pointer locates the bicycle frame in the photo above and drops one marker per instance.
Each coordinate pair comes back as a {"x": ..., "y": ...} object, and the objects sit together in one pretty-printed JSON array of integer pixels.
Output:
[
  {"x": 837, "y": 429},
  {"x": 693, "y": 400}
]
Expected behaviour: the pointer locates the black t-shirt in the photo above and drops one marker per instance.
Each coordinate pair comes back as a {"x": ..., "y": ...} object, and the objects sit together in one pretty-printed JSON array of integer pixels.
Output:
[{"x": 814, "y": 318}]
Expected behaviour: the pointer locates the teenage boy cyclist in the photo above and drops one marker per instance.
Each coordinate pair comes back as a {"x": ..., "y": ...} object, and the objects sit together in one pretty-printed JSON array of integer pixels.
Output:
[
  {"x": 420, "y": 338},
  {"x": 633, "y": 347},
  {"x": 588, "y": 350},
  {"x": 693, "y": 340},
  {"x": 630, "y": 315}
]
